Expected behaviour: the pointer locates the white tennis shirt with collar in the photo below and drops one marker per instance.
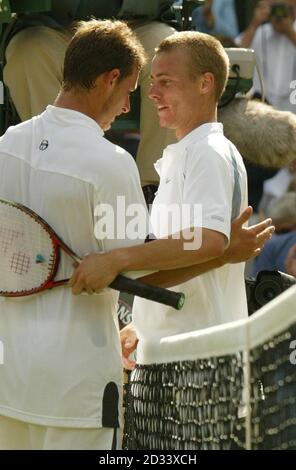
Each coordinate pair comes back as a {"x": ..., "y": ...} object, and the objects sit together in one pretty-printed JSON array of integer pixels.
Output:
[
  {"x": 60, "y": 350},
  {"x": 204, "y": 169}
]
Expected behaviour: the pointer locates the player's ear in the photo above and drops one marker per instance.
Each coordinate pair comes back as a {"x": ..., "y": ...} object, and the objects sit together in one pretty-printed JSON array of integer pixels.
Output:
[
  {"x": 105, "y": 83},
  {"x": 111, "y": 77},
  {"x": 207, "y": 83}
]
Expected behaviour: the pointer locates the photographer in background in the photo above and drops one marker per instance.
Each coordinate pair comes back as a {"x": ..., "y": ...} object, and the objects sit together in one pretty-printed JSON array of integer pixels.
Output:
[
  {"x": 217, "y": 17},
  {"x": 272, "y": 34}
]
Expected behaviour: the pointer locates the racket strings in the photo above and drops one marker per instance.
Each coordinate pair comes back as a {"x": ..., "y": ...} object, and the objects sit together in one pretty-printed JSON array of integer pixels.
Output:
[
  {"x": 28, "y": 254},
  {"x": 7, "y": 237},
  {"x": 20, "y": 263}
]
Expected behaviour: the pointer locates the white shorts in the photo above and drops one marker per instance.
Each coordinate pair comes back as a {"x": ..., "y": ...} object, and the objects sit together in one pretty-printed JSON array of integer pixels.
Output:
[{"x": 19, "y": 435}]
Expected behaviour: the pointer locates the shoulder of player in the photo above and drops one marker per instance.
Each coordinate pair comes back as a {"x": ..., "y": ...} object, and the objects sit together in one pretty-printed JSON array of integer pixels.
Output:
[
  {"x": 18, "y": 130},
  {"x": 213, "y": 146},
  {"x": 106, "y": 163},
  {"x": 102, "y": 152},
  {"x": 16, "y": 139}
]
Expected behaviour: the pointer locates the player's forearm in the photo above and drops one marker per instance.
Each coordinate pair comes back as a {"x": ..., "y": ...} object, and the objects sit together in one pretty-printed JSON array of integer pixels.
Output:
[
  {"x": 173, "y": 277},
  {"x": 170, "y": 253}
]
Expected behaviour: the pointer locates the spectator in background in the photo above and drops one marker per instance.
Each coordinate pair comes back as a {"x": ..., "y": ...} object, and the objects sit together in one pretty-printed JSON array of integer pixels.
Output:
[
  {"x": 257, "y": 175},
  {"x": 274, "y": 44},
  {"x": 274, "y": 39},
  {"x": 278, "y": 254},
  {"x": 216, "y": 17},
  {"x": 276, "y": 187}
]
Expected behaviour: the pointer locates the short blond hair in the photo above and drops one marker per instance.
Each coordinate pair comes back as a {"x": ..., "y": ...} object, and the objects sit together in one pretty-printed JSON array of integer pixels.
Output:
[{"x": 206, "y": 55}]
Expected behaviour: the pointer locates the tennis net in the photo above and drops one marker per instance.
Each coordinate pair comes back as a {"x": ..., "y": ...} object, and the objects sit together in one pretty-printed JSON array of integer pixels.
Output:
[{"x": 228, "y": 387}]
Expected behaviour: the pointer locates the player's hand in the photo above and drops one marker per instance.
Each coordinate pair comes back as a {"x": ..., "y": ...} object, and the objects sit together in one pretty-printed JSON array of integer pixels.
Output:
[
  {"x": 129, "y": 343},
  {"x": 247, "y": 242},
  {"x": 95, "y": 272}
]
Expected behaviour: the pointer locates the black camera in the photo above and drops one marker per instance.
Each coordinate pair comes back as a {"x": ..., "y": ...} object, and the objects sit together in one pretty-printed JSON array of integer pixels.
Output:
[
  {"x": 281, "y": 10},
  {"x": 265, "y": 287}
]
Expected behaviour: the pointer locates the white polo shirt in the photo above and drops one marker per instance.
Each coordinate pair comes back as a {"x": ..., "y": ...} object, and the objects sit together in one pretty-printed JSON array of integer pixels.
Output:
[
  {"x": 60, "y": 350},
  {"x": 205, "y": 169}
]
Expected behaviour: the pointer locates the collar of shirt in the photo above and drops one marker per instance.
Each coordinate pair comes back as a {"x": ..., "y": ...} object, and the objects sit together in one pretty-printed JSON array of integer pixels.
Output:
[
  {"x": 175, "y": 150},
  {"x": 71, "y": 117}
]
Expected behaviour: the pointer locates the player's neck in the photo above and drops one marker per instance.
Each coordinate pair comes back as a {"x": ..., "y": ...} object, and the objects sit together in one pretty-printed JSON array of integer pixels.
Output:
[
  {"x": 197, "y": 121},
  {"x": 78, "y": 101}
]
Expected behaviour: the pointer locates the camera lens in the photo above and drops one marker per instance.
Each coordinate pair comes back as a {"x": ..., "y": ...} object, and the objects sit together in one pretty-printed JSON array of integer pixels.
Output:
[
  {"x": 266, "y": 290},
  {"x": 281, "y": 10}
]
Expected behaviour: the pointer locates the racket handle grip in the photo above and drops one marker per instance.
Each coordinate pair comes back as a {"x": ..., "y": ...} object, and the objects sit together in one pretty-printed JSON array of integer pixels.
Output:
[{"x": 158, "y": 294}]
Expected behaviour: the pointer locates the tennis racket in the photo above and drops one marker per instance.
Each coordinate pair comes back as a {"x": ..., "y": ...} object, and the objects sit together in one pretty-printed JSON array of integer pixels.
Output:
[{"x": 30, "y": 255}]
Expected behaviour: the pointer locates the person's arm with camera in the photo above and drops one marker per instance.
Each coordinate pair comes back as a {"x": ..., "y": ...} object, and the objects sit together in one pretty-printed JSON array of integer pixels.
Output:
[
  {"x": 285, "y": 26},
  {"x": 261, "y": 14}
]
